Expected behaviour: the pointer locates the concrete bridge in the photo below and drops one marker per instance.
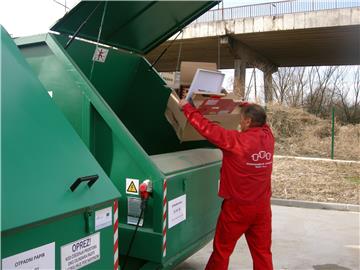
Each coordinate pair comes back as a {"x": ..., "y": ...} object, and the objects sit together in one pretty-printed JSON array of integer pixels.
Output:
[{"x": 268, "y": 36}]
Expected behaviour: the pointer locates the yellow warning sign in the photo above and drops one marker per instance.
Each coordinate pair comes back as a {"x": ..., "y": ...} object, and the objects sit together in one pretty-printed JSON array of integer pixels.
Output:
[{"x": 132, "y": 188}]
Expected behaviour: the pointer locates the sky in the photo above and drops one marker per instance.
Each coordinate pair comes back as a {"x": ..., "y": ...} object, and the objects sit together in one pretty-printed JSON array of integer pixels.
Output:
[{"x": 30, "y": 17}]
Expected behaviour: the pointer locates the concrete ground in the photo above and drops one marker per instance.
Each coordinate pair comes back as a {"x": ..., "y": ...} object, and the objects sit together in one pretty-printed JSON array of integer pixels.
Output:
[{"x": 306, "y": 239}]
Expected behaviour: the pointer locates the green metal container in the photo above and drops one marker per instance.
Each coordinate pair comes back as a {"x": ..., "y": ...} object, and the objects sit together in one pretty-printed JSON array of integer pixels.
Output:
[
  {"x": 45, "y": 225},
  {"x": 116, "y": 104}
]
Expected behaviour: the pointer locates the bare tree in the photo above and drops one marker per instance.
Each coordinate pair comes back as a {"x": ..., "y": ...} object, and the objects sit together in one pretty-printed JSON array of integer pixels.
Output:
[
  {"x": 322, "y": 84},
  {"x": 296, "y": 93},
  {"x": 282, "y": 83},
  {"x": 349, "y": 97}
]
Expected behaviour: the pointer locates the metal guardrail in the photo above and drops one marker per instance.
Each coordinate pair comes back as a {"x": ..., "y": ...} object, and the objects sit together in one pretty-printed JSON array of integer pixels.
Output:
[{"x": 274, "y": 9}]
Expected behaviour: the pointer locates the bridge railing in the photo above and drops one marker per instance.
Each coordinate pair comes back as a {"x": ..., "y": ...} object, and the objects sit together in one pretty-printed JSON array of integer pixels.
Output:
[{"x": 274, "y": 9}]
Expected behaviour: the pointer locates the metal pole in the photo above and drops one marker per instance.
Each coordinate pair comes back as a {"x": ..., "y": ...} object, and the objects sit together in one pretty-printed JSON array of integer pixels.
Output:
[
  {"x": 332, "y": 131},
  {"x": 222, "y": 10}
]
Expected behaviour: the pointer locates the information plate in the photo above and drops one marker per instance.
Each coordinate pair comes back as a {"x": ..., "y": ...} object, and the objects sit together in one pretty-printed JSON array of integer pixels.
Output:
[
  {"x": 39, "y": 258},
  {"x": 80, "y": 253}
]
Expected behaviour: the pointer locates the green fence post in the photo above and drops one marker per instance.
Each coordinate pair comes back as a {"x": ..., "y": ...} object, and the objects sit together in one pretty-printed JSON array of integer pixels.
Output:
[{"x": 332, "y": 131}]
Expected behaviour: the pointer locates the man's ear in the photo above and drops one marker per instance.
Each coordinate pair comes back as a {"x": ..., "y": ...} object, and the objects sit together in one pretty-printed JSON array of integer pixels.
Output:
[{"x": 248, "y": 122}]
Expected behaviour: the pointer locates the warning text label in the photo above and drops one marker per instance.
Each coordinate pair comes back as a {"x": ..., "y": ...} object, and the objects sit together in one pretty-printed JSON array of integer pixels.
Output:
[
  {"x": 177, "y": 211},
  {"x": 81, "y": 252}
]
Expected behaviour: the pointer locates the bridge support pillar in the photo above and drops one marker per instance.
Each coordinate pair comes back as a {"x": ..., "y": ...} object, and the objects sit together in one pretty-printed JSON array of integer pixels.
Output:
[
  {"x": 268, "y": 87},
  {"x": 239, "y": 78},
  {"x": 244, "y": 55}
]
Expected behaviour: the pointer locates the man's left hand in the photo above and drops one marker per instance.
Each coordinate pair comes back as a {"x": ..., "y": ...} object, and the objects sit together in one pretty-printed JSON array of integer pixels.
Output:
[{"x": 182, "y": 103}]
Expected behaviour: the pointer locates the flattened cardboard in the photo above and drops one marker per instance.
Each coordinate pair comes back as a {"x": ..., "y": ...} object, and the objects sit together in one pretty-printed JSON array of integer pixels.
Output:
[{"x": 183, "y": 128}]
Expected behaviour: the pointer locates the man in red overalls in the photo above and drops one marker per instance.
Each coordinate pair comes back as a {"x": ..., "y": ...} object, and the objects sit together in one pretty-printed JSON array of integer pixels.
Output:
[{"x": 245, "y": 184}]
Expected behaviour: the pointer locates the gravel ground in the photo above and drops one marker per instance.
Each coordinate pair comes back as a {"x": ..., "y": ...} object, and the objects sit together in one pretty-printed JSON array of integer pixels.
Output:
[{"x": 312, "y": 180}]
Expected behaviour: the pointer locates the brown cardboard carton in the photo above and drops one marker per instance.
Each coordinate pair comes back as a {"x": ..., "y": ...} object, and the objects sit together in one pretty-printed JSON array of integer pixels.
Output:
[
  {"x": 188, "y": 70},
  {"x": 225, "y": 112},
  {"x": 187, "y": 73}
]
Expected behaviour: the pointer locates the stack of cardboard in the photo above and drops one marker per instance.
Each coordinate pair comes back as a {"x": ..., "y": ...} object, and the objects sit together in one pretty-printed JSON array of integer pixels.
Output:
[
  {"x": 187, "y": 73},
  {"x": 217, "y": 108},
  {"x": 220, "y": 108}
]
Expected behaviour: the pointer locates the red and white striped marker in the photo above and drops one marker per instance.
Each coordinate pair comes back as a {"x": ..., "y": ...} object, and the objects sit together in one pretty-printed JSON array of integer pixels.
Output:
[
  {"x": 116, "y": 225},
  {"x": 164, "y": 217}
]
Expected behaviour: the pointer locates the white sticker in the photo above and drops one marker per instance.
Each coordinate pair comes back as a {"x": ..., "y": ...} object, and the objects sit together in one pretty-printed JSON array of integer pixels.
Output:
[
  {"x": 37, "y": 258},
  {"x": 177, "y": 210},
  {"x": 134, "y": 211},
  {"x": 103, "y": 218},
  {"x": 100, "y": 54},
  {"x": 132, "y": 186},
  {"x": 82, "y": 252}
]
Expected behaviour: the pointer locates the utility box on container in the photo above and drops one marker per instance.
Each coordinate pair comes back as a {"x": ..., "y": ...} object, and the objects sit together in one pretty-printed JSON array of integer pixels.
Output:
[
  {"x": 57, "y": 203},
  {"x": 115, "y": 100}
]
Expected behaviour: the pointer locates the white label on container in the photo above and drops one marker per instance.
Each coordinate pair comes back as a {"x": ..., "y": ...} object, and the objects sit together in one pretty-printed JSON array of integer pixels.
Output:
[
  {"x": 37, "y": 258},
  {"x": 100, "y": 54},
  {"x": 132, "y": 186},
  {"x": 80, "y": 253},
  {"x": 134, "y": 211},
  {"x": 103, "y": 218},
  {"x": 177, "y": 210}
]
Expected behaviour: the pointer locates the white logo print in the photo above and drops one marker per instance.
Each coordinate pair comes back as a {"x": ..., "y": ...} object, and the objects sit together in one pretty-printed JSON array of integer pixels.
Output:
[{"x": 261, "y": 155}]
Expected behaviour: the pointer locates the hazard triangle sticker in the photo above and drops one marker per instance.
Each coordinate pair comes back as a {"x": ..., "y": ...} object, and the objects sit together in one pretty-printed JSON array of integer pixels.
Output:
[{"x": 132, "y": 186}]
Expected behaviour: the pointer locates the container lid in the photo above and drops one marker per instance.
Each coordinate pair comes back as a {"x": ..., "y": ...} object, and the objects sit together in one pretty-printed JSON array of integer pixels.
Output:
[
  {"x": 137, "y": 26},
  {"x": 171, "y": 163},
  {"x": 42, "y": 155}
]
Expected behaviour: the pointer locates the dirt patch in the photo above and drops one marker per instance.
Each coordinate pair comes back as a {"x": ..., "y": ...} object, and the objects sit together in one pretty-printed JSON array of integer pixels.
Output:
[{"x": 311, "y": 180}]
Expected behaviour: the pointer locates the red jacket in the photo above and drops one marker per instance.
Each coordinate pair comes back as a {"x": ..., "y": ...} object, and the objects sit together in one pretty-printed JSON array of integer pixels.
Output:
[{"x": 247, "y": 158}]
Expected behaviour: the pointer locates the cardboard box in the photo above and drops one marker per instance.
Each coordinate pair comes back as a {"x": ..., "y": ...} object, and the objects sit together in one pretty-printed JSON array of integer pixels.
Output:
[
  {"x": 206, "y": 81},
  {"x": 217, "y": 108},
  {"x": 188, "y": 70},
  {"x": 187, "y": 73}
]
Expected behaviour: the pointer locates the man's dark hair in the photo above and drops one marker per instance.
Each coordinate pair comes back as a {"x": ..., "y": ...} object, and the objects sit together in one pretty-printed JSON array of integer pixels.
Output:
[{"x": 256, "y": 113}]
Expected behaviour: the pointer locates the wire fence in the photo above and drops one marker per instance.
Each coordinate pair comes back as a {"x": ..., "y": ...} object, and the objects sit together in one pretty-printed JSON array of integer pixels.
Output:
[{"x": 275, "y": 9}]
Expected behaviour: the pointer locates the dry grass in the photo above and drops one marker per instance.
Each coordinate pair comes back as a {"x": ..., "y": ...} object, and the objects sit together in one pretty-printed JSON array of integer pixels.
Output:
[
  {"x": 299, "y": 133},
  {"x": 311, "y": 180}
]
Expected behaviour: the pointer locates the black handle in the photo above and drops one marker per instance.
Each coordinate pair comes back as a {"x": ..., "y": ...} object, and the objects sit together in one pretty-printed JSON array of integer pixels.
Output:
[{"x": 91, "y": 179}]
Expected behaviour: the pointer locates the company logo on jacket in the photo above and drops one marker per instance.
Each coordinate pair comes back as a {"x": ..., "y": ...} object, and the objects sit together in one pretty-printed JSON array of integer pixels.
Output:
[
  {"x": 261, "y": 155},
  {"x": 260, "y": 160}
]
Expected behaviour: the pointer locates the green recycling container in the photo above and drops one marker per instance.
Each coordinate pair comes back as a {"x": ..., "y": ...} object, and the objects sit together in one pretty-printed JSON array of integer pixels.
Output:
[
  {"x": 115, "y": 100},
  {"x": 57, "y": 203}
]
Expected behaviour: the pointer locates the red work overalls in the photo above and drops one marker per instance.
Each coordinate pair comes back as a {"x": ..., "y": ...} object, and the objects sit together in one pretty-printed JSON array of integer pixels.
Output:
[{"x": 245, "y": 185}]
